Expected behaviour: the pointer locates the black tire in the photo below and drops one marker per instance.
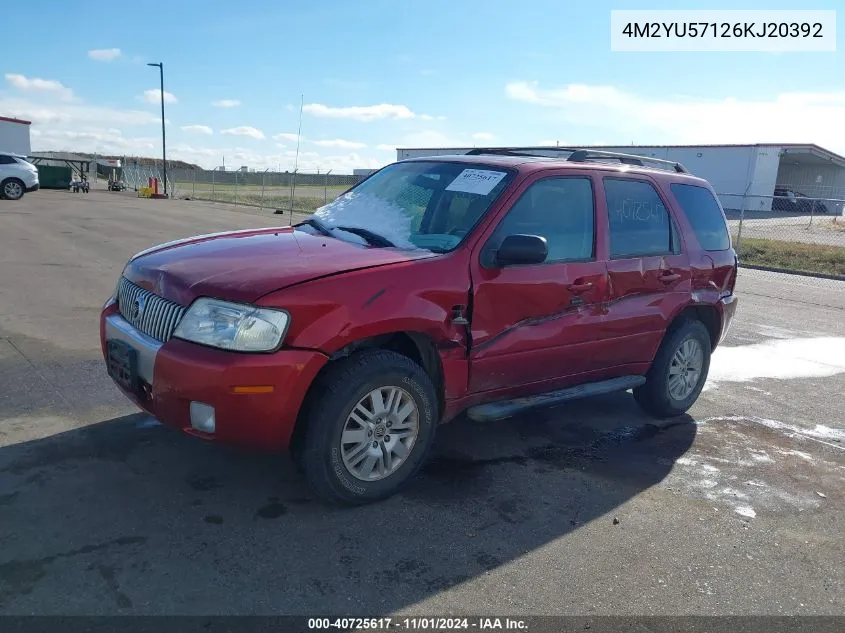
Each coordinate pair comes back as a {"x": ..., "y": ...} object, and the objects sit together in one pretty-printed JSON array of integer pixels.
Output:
[
  {"x": 654, "y": 396},
  {"x": 338, "y": 390},
  {"x": 21, "y": 190}
]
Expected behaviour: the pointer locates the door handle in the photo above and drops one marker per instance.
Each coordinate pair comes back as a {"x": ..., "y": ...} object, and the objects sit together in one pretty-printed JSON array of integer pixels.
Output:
[
  {"x": 668, "y": 277},
  {"x": 580, "y": 287}
]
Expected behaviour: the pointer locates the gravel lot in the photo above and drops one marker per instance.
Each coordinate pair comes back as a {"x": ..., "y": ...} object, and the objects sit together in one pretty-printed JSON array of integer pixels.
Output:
[{"x": 585, "y": 509}]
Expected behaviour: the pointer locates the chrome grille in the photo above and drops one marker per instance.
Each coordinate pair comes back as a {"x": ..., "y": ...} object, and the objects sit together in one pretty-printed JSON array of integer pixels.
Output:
[{"x": 154, "y": 316}]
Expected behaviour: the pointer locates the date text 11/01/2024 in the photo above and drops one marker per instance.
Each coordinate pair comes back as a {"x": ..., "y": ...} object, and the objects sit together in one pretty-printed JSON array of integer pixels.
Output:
[
  {"x": 723, "y": 30},
  {"x": 418, "y": 624}
]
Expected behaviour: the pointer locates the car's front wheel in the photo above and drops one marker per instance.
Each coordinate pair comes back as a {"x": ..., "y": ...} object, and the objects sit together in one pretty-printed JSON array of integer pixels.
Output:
[
  {"x": 12, "y": 189},
  {"x": 369, "y": 427},
  {"x": 678, "y": 373}
]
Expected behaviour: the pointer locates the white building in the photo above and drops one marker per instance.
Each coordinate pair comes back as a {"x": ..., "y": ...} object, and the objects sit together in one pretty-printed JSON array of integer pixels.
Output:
[
  {"x": 14, "y": 136},
  {"x": 738, "y": 173}
]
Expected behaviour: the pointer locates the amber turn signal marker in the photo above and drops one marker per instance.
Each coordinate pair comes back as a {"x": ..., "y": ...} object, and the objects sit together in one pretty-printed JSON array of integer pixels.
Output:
[{"x": 250, "y": 389}]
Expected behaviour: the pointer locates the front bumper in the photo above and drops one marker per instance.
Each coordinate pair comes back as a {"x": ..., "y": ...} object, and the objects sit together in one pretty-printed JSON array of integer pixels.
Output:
[
  {"x": 174, "y": 374},
  {"x": 32, "y": 188}
]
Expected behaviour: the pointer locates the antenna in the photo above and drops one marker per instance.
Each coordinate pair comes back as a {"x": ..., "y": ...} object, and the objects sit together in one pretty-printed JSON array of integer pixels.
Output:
[
  {"x": 296, "y": 159},
  {"x": 299, "y": 133}
]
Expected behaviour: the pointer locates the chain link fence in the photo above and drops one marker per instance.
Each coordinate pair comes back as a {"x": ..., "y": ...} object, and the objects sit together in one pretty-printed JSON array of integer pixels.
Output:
[
  {"x": 789, "y": 231},
  {"x": 284, "y": 191},
  {"x": 288, "y": 191}
]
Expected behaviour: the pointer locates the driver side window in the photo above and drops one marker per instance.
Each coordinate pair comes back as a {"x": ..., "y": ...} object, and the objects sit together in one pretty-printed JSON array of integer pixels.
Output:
[{"x": 559, "y": 209}]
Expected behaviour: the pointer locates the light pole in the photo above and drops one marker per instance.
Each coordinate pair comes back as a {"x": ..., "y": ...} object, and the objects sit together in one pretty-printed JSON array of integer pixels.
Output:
[{"x": 163, "y": 138}]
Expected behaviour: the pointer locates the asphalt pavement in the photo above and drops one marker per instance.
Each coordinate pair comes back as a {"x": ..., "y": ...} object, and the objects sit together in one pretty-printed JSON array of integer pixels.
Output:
[{"x": 588, "y": 508}]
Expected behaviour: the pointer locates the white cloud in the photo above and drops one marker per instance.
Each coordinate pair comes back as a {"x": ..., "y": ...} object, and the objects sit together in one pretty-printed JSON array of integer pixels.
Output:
[
  {"x": 691, "y": 120},
  {"x": 340, "y": 143},
  {"x": 104, "y": 54},
  {"x": 361, "y": 113},
  {"x": 386, "y": 147},
  {"x": 483, "y": 136},
  {"x": 245, "y": 130},
  {"x": 309, "y": 162},
  {"x": 338, "y": 163},
  {"x": 154, "y": 96},
  {"x": 44, "y": 86},
  {"x": 201, "y": 129},
  {"x": 90, "y": 140},
  {"x": 286, "y": 136},
  {"x": 432, "y": 138},
  {"x": 226, "y": 103},
  {"x": 76, "y": 114}
]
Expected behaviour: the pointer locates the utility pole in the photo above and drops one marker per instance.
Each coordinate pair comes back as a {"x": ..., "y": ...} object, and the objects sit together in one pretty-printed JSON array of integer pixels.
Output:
[{"x": 163, "y": 136}]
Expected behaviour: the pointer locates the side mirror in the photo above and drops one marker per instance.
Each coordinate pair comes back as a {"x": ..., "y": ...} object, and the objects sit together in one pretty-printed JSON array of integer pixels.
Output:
[{"x": 522, "y": 249}]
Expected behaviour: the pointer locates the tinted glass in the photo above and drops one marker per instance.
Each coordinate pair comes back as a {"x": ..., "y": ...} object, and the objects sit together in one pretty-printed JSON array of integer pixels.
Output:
[
  {"x": 638, "y": 220},
  {"x": 6, "y": 160},
  {"x": 559, "y": 209},
  {"x": 705, "y": 216}
]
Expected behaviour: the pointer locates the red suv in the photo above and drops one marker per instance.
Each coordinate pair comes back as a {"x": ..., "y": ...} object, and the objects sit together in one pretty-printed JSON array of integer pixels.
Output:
[{"x": 484, "y": 284}]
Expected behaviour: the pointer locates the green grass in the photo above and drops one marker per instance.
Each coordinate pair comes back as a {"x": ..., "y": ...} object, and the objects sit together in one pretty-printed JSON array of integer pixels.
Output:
[{"x": 812, "y": 258}]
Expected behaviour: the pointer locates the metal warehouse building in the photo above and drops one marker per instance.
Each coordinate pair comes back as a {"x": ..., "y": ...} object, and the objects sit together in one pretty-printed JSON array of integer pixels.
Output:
[
  {"x": 744, "y": 176},
  {"x": 14, "y": 136}
]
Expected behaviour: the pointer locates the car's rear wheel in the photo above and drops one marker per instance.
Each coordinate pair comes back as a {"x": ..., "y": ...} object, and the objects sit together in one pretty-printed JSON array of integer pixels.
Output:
[
  {"x": 369, "y": 427},
  {"x": 678, "y": 373},
  {"x": 12, "y": 189}
]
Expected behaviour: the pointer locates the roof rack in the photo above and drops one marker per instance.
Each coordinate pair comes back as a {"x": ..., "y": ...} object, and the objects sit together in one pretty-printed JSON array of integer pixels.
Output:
[{"x": 579, "y": 155}]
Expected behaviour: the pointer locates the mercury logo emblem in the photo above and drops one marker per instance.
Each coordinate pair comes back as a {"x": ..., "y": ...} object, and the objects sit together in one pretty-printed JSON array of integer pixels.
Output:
[{"x": 138, "y": 307}]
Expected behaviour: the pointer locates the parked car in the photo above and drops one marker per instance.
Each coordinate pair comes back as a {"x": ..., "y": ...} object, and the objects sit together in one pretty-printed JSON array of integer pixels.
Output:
[
  {"x": 17, "y": 176},
  {"x": 789, "y": 200},
  {"x": 484, "y": 285}
]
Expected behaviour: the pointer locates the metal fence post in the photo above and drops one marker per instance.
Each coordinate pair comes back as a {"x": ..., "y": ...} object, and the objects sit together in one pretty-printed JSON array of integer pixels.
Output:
[
  {"x": 741, "y": 218},
  {"x": 194, "y": 187},
  {"x": 263, "y": 179},
  {"x": 326, "y": 188},
  {"x": 212, "y": 185},
  {"x": 236, "y": 188}
]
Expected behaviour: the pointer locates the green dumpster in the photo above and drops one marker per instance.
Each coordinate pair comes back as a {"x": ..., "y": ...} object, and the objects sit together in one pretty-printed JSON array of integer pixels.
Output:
[{"x": 54, "y": 177}]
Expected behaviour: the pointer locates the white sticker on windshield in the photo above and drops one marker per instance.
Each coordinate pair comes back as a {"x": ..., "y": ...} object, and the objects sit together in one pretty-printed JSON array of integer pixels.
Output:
[{"x": 480, "y": 181}]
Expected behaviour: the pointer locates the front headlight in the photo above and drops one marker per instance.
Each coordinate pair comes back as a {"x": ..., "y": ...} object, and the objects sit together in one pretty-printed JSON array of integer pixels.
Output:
[{"x": 233, "y": 326}]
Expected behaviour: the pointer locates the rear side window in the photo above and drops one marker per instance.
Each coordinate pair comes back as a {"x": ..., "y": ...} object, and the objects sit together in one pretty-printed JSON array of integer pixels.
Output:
[
  {"x": 639, "y": 222},
  {"x": 705, "y": 216},
  {"x": 6, "y": 160}
]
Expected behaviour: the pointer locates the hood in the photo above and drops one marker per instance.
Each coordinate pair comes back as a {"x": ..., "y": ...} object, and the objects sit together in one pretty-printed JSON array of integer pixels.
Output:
[{"x": 245, "y": 265}]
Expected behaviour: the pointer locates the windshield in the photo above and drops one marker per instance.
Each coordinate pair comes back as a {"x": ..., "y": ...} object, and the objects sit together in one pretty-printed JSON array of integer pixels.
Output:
[{"x": 417, "y": 205}]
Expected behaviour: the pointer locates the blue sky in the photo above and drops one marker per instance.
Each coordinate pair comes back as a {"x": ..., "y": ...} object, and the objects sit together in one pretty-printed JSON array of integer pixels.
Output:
[{"x": 380, "y": 74}]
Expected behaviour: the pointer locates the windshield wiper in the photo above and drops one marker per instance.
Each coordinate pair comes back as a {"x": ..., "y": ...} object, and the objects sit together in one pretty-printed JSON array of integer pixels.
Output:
[
  {"x": 319, "y": 225},
  {"x": 373, "y": 238}
]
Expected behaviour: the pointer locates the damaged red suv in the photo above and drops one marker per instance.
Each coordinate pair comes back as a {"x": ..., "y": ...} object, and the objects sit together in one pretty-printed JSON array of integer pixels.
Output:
[{"x": 483, "y": 284}]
